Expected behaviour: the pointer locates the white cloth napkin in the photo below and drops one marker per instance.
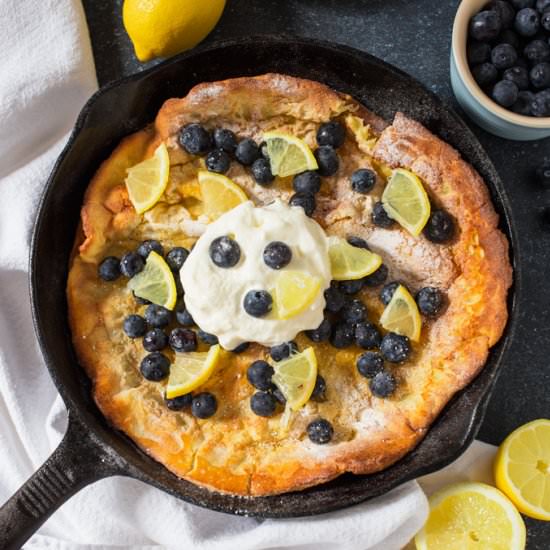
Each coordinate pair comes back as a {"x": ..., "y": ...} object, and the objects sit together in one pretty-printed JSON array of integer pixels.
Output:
[{"x": 47, "y": 74}]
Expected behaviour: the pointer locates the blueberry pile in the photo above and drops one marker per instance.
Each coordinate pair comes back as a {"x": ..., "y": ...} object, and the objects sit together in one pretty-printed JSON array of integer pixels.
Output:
[{"x": 509, "y": 54}]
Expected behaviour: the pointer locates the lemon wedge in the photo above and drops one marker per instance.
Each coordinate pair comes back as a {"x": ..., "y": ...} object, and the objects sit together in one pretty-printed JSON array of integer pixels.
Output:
[
  {"x": 155, "y": 282},
  {"x": 295, "y": 377},
  {"x": 522, "y": 468},
  {"x": 219, "y": 194},
  {"x": 471, "y": 515},
  {"x": 288, "y": 155},
  {"x": 191, "y": 370},
  {"x": 294, "y": 292},
  {"x": 406, "y": 201},
  {"x": 349, "y": 262},
  {"x": 147, "y": 180},
  {"x": 401, "y": 315}
]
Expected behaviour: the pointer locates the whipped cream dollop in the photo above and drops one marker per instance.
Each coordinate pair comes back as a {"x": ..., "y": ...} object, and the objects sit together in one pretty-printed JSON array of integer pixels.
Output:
[{"x": 214, "y": 295}]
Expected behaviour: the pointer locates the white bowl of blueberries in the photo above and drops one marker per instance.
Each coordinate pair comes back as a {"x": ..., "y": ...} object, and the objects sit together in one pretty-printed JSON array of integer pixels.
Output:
[{"x": 500, "y": 65}]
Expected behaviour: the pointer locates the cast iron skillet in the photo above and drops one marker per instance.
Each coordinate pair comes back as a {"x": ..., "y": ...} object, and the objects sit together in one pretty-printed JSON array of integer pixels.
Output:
[{"x": 91, "y": 449}]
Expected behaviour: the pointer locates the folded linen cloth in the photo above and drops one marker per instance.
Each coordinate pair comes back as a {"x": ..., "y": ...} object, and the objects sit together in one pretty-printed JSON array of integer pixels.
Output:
[{"x": 47, "y": 74}]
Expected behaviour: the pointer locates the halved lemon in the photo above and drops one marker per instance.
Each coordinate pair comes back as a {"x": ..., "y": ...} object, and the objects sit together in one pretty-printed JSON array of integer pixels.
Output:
[
  {"x": 295, "y": 377},
  {"x": 406, "y": 201},
  {"x": 349, "y": 262},
  {"x": 288, "y": 155},
  {"x": 294, "y": 292},
  {"x": 401, "y": 315},
  {"x": 219, "y": 193},
  {"x": 522, "y": 468},
  {"x": 471, "y": 515},
  {"x": 147, "y": 180},
  {"x": 191, "y": 370},
  {"x": 155, "y": 282}
]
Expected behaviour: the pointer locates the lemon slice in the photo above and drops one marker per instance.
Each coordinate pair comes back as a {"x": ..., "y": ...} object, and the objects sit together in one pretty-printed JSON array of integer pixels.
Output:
[
  {"x": 294, "y": 292},
  {"x": 147, "y": 180},
  {"x": 471, "y": 515},
  {"x": 219, "y": 194},
  {"x": 406, "y": 201},
  {"x": 401, "y": 315},
  {"x": 295, "y": 377},
  {"x": 191, "y": 370},
  {"x": 288, "y": 155},
  {"x": 349, "y": 262},
  {"x": 522, "y": 468},
  {"x": 155, "y": 282}
]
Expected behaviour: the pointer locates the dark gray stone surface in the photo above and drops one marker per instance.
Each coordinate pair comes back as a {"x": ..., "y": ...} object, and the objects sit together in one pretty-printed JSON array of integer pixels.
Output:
[{"x": 414, "y": 36}]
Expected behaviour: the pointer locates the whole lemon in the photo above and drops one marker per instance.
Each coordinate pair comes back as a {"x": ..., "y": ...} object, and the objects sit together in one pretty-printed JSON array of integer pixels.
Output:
[{"x": 161, "y": 28}]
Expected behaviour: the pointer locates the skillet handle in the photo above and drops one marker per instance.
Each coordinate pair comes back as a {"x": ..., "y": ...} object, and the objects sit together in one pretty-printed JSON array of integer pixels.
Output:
[{"x": 78, "y": 461}]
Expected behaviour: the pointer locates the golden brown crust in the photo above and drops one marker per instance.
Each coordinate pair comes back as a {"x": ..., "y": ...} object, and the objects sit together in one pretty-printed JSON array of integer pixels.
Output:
[{"x": 236, "y": 451}]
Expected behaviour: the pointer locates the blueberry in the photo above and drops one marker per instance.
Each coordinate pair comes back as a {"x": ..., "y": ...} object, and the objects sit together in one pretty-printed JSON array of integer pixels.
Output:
[
  {"x": 383, "y": 384},
  {"x": 321, "y": 333},
  {"x": 157, "y": 316},
  {"x": 523, "y": 104},
  {"x": 195, "y": 139},
  {"x": 319, "y": 390},
  {"x": 331, "y": 133},
  {"x": 369, "y": 364},
  {"x": 380, "y": 216},
  {"x": 145, "y": 248},
  {"x": 527, "y": 22},
  {"x": 263, "y": 404},
  {"x": 478, "y": 52},
  {"x": 241, "y": 347},
  {"x": 540, "y": 75},
  {"x": 305, "y": 201},
  {"x": 204, "y": 405},
  {"x": 334, "y": 299},
  {"x": 179, "y": 403},
  {"x": 350, "y": 287},
  {"x": 363, "y": 180},
  {"x": 247, "y": 151},
  {"x": 343, "y": 335},
  {"x": 140, "y": 301},
  {"x": 543, "y": 5},
  {"x": 354, "y": 311},
  {"x": 183, "y": 317},
  {"x": 395, "y": 347},
  {"x": 183, "y": 339},
  {"x": 207, "y": 338},
  {"x": 508, "y": 36},
  {"x": 537, "y": 51},
  {"x": 225, "y": 140},
  {"x": 505, "y": 93},
  {"x": 131, "y": 264},
  {"x": 485, "y": 74},
  {"x": 109, "y": 269},
  {"x": 179, "y": 286},
  {"x": 358, "y": 242},
  {"x": 503, "y": 56},
  {"x": 278, "y": 395},
  {"x": 505, "y": 11},
  {"x": 367, "y": 336},
  {"x": 377, "y": 278},
  {"x": 257, "y": 303},
  {"x": 540, "y": 106},
  {"x": 543, "y": 174},
  {"x": 176, "y": 257},
  {"x": 327, "y": 160},
  {"x": 440, "y": 227},
  {"x": 518, "y": 75},
  {"x": 259, "y": 375},
  {"x": 155, "y": 367},
  {"x": 430, "y": 301},
  {"x": 261, "y": 170},
  {"x": 134, "y": 326},
  {"x": 283, "y": 351},
  {"x": 217, "y": 161},
  {"x": 225, "y": 252},
  {"x": 387, "y": 292},
  {"x": 277, "y": 255},
  {"x": 308, "y": 182},
  {"x": 520, "y": 4},
  {"x": 545, "y": 21},
  {"x": 485, "y": 26},
  {"x": 320, "y": 431},
  {"x": 155, "y": 340}
]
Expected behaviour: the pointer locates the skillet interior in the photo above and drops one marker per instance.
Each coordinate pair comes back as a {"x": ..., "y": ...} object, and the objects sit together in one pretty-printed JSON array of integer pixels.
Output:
[{"x": 124, "y": 107}]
